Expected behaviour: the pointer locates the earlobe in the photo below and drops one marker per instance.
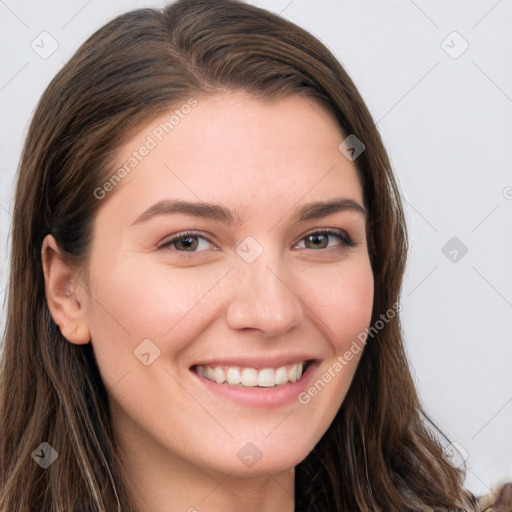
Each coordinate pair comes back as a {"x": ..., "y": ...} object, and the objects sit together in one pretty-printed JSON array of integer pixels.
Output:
[
  {"x": 64, "y": 296},
  {"x": 76, "y": 333}
]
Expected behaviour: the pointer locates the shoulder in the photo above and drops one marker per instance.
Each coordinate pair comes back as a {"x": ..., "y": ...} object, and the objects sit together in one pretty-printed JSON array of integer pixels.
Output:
[{"x": 498, "y": 501}]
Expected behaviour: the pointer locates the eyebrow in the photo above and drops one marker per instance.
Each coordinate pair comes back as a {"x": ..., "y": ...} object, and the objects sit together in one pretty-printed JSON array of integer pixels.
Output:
[{"x": 219, "y": 213}]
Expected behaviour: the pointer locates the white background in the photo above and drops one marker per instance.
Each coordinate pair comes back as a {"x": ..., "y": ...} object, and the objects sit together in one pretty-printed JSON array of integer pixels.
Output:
[{"x": 447, "y": 125}]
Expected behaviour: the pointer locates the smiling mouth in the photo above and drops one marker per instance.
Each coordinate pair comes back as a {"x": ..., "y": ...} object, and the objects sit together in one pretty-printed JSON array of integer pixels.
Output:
[{"x": 247, "y": 377}]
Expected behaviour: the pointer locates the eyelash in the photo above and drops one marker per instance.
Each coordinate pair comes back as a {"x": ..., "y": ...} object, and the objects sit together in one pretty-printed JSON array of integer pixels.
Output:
[{"x": 338, "y": 233}]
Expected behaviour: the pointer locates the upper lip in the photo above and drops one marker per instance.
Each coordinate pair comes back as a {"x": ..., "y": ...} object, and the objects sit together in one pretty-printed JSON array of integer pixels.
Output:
[{"x": 256, "y": 362}]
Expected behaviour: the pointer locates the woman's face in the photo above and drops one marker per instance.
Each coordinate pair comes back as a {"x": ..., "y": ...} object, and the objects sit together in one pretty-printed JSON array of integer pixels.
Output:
[{"x": 252, "y": 291}]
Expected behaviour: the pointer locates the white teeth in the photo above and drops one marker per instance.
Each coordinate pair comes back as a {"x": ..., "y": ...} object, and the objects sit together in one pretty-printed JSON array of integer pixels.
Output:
[
  {"x": 219, "y": 375},
  {"x": 292, "y": 374},
  {"x": 210, "y": 373},
  {"x": 295, "y": 372},
  {"x": 250, "y": 377},
  {"x": 281, "y": 376},
  {"x": 233, "y": 376},
  {"x": 266, "y": 378}
]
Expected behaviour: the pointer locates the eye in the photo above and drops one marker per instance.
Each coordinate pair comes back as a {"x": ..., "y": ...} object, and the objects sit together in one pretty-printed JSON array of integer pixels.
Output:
[
  {"x": 319, "y": 239},
  {"x": 187, "y": 241},
  {"x": 190, "y": 241}
]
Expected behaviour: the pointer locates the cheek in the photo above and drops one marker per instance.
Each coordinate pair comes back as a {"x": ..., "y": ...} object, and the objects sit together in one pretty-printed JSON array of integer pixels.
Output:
[
  {"x": 134, "y": 301},
  {"x": 343, "y": 300},
  {"x": 343, "y": 310},
  {"x": 137, "y": 300}
]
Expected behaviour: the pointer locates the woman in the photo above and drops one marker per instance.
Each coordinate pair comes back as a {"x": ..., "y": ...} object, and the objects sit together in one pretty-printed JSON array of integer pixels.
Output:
[{"x": 207, "y": 252}]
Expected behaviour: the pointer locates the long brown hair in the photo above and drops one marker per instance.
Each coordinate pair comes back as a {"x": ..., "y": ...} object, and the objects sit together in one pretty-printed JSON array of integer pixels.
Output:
[{"x": 381, "y": 452}]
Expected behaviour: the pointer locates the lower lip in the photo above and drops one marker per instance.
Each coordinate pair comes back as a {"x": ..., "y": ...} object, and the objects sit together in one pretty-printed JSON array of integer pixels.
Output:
[{"x": 264, "y": 398}]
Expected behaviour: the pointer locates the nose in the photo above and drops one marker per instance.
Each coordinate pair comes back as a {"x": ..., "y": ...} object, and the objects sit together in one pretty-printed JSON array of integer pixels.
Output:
[{"x": 263, "y": 297}]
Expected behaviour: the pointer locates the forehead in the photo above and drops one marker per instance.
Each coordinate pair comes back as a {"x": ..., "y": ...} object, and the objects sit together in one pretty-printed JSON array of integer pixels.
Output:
[{"x": 238, "y": 149}]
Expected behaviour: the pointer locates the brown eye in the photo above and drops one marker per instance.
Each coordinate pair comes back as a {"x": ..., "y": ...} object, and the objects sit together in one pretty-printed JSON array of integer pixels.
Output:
[
  {"x": 320, "y": 239},
  {"x": 184, "y": 242},
  {"x": 187, "y": 243}
]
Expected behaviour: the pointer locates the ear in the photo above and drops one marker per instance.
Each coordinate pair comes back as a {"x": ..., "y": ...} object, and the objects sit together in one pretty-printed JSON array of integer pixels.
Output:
[{"x": 64, "y": 295}]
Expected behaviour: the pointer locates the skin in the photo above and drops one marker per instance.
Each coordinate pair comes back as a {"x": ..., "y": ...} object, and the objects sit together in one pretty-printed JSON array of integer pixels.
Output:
[{"x": 179, "y": 441}]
